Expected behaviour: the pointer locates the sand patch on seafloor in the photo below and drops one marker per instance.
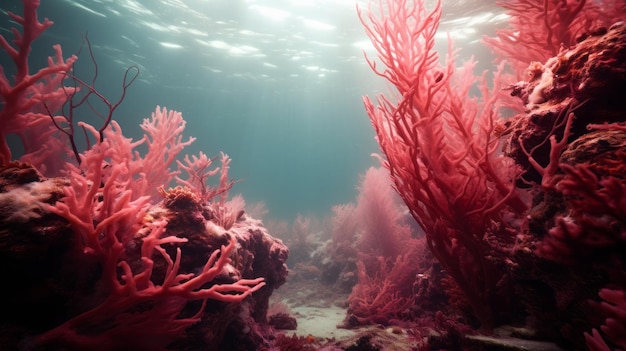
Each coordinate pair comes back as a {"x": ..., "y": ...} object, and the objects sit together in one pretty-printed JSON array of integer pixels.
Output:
[
  {"x": 317, "y": 308},
  {"x": 321, "y": 322}
]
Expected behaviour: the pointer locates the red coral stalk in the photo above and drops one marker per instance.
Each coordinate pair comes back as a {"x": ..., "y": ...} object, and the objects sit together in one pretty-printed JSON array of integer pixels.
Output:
[{"x": 550, "y": 173}]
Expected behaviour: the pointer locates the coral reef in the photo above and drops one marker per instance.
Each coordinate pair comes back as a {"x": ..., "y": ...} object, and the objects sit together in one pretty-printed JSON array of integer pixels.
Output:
[{"x": 112, "y": 248}]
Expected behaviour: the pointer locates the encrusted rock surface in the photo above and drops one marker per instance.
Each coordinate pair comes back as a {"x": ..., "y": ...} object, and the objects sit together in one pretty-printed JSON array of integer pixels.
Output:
[
  {"x": 588, "y": 81},
  {"x": 570, "y": 144}
]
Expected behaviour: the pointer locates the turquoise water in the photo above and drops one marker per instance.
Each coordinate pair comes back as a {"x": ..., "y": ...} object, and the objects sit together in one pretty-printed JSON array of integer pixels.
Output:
[{"x": 276, "y": 85}]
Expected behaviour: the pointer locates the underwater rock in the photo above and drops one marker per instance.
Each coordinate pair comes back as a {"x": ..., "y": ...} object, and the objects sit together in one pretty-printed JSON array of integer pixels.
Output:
[
  {"x": 283, "y": 321},
  {"x": 603, "y": 150}
]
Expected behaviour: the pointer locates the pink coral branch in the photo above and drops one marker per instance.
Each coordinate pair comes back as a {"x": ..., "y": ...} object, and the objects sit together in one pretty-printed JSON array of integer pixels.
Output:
[
  {"x": 165, "y": 142},
  {"x": 198, "y": 170},
  {"x": 225, "y": 182},
  {"x": 31, "y": 101},
  {"x": 186, "y": 285}
]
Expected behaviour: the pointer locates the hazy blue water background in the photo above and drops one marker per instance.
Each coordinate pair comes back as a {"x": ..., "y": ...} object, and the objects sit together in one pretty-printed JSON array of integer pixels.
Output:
[{"x": 277, "y": 85}]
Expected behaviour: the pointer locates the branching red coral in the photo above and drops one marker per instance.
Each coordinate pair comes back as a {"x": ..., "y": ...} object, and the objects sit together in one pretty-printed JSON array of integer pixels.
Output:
[
  {"x": 550, "y": 172},
  {"x": 375, "y": 299},
  {"x": 104, "y": 212},
  {"x": 165, "y": 142},
  {"x": 99, "y": 203},
  {"x": 614, "y": 308},
  {"x": 538, "y": 29},
  {"x": 22, "y": 99},
  {"x": 38, "y": 107},
  {"x": 440, "y": 149},
  {"x": 120, "y": 319},
  {"x": 386, "y": 291},
  {"x": 198, "y": 170},
  {"x": 140, "y": 285},
  {"x": 597, "y": 220}
]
